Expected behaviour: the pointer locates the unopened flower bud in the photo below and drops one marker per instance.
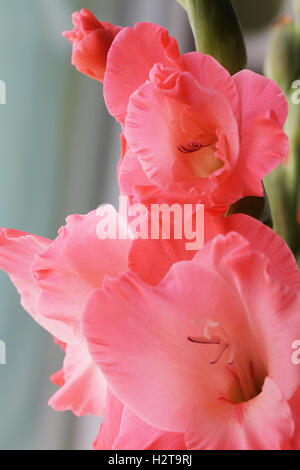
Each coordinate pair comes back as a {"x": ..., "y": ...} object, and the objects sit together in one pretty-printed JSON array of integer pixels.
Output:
[{"x": 91, "y": 41}]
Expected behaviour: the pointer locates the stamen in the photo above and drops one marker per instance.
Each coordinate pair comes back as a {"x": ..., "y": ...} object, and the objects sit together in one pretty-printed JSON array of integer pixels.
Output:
[
  {"x": 222, "y": 341},
  {"x": 221, "y": 349},
  {"x": 214, "y": 340},
  {"x": 202, "y": 340},
  {"x": 242, "y": 370},
  {"x": 209, "y": 324},
  {"x": 232, "y": 353},
  {"x": 191, "y": 147}
]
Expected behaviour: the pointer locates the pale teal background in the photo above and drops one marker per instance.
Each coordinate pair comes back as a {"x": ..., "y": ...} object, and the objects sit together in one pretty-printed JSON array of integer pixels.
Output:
[{"x": 59, "y": 150}]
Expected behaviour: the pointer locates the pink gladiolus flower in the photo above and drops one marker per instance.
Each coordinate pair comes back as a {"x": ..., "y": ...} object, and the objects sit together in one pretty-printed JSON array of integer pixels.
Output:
[
  {"x": 55, "y": 280},
  {"x": 207, "y": 352},
  {"x": 91, "y": 41},
  {"x": 193, "y": 132}
]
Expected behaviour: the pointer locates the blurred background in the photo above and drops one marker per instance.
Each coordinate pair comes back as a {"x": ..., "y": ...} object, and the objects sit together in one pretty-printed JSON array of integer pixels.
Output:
[{"x": 59, "y": 151}]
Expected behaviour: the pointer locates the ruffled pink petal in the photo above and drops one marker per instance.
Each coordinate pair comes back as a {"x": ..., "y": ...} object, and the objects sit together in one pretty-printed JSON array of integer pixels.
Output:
[
  {"x": 18, "y": 251},
  {"x": 164, "y": 253},
  {"x": 58, "y": 378},
  {"x": 17, "y": 254},
  {"x": 132, "y": 177},
  {"x": 136, "y": 434},
  {"x": 264, "y": 110},
  {"x": 264, "y": 423},
  {"x": 122, "y": 430},
  {"x": 83, "y": 388},
  {"x": 210, "y": 74},
  {"x": 75, "y": 264},
  {"x": 263, "y": 147},
  {"x": 135, "y": 184},
  {"x": 258, "y": 96},
  {"x": 175, "y": 111},
  {"x": 130, "y": 59},
  {"x": 110, "y": 428},
  {"x": 282, "y": 263}
]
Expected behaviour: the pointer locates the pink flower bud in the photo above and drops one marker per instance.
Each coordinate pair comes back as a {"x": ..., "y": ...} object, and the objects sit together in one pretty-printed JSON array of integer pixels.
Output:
[{"x": 91, "y": 41}]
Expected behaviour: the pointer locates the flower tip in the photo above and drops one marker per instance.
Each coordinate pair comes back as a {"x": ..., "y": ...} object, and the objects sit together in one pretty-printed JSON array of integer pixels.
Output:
[
  {"x": 88, "y": 19},
  {"x": 69, "y": 35},
  {"x": 283, "y": 20},
  {"x": 85, "y": 12},
  {"x": 76, "y": 18}
]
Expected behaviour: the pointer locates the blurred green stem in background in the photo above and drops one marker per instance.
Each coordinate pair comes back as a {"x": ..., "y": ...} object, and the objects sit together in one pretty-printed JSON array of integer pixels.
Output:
[
  {"x": 217, "y": 31},
  {"x": 283, "y": 66},
  {"x": 297, "y": 10}
]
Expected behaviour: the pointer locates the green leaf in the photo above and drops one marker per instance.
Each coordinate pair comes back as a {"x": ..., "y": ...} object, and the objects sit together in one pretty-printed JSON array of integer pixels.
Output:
[{"x": 257, "y": 207}]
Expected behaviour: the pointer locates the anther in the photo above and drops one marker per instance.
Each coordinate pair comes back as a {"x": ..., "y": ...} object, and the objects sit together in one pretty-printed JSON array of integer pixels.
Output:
[
  {"x": 222, "y": 346},
  {"x": 190, "y": 147},
  {"x": 232, "y": 353},
  {"x": 203, "y": 340}
]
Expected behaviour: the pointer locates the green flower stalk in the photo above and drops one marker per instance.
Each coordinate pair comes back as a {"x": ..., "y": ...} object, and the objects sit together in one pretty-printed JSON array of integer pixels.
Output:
[
  {"x": 283, "y": 66},
  {"x": 283, "y": 59},
  {"x": 297, "y": 11},
  {"x": 217, "y": 31}
]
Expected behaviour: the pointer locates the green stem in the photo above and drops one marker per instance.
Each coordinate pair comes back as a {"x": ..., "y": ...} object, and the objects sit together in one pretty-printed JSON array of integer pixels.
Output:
[
  {"x": 293, "y": 167},
  {"x": 278, "y": 195},
  {"x": 217, "y": 31},
  {"x": 293, "y": 173}
]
